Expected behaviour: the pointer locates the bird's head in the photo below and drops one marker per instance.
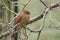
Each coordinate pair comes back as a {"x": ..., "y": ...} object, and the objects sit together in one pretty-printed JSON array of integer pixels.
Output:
[{"x": 26, "y": 12}]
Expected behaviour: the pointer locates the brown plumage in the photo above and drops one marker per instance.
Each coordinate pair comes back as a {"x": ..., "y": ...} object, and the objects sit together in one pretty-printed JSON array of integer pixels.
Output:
[{"x": 23, "y": 19}]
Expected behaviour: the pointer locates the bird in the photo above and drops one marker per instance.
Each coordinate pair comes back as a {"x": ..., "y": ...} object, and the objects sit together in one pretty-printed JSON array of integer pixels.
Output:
[{"x": 22, "y": 19}]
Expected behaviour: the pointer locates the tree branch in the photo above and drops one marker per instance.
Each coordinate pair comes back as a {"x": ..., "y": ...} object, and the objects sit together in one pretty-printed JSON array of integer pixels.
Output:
[
  {"x": 8, "y": 8},
  {"x": 10, "y": 32},
  {"x": 43, "y": 3},
  {"x": 20, "y": 12},
  {"x": 53, "y": 5}
]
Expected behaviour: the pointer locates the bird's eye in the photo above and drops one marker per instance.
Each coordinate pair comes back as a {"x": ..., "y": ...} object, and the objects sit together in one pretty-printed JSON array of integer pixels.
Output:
[{"x": 26, "y": 12}]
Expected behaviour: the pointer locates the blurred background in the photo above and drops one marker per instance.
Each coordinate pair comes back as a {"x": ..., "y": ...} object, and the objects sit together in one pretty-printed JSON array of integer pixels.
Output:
[{"x": 35, "y": 7}]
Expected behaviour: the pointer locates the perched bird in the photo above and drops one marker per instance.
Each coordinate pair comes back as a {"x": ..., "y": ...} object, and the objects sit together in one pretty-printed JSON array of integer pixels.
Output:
[{"x": 23, "y": 19}]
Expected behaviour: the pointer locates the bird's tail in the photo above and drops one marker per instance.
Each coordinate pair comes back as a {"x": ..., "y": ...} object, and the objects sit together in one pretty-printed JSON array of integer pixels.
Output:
[{"x": 14, "y": 35}]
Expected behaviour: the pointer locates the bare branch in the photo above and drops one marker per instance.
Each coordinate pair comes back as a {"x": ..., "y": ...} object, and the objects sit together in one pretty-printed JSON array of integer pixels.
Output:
[
  {"x": 25, "y": 6},
  {"x": 53, "y": 5},
  {"x": 20, "y": 12},
  {"x": 8, "y": 8},
  {"x": 42, "y": 24},
  {"x": 45, "y": 12},
  {"x": 54, "y": 27},
  {"x": 35, "y": 31},
  {"x": 43, "y": 3},
  {"x": 10, "y": 32},
  {"x": 4, "y": 34},
  {"x": 2, "y": 21}
]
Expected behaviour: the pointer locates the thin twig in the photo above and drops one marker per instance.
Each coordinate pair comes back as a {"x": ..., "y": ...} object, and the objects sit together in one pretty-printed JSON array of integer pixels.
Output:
[
  {"x": 8, "y": 8},
  {"x": 43, "y": 3},
  {"x": 42, "y": 24},
  {"x": 19, "y": 12},
  {"x": 25, "y": 6},
  {"x": 9, "y": 32},
  {"x": 54, "y": 5},
  {"x": 35, "y": 31}
]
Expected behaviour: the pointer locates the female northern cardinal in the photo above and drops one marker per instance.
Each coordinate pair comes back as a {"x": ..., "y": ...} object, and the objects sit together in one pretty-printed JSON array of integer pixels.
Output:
[{"x": 23, "y": 19}]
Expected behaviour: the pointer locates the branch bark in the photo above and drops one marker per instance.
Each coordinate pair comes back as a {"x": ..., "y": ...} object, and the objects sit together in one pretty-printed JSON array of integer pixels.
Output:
[{"x": 53, "y": 5}]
